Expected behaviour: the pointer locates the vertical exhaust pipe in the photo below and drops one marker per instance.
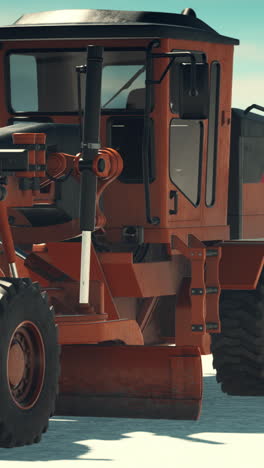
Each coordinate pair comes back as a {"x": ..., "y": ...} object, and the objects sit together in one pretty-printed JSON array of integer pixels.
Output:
[{"x": 89, "y": 147}]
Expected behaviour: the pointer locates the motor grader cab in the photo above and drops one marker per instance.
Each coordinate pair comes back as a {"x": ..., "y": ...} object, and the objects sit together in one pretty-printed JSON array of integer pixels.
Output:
[{"x": 116, "y": 207}]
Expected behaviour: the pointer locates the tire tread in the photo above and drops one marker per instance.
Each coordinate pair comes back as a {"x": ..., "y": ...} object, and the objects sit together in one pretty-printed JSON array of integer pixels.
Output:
[{"x": 238, "y": 351}]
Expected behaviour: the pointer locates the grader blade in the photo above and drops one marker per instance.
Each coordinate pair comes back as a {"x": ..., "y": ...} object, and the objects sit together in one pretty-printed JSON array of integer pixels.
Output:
[{"x": 130, "y": 381}]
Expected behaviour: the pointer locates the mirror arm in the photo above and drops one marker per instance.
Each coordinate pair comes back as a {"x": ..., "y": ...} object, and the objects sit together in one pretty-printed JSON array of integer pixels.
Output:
[
  {"x": 193, "y": 85},
  {"x": 173, "y": 55}
]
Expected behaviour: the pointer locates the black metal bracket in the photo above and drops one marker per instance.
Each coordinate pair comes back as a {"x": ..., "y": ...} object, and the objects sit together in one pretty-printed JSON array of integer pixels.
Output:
[
  {"x": 212, "y": 326},
  {"x": 211, "y": 253},
  {"x": 85, "y": 164},
  {"x": 253, "y": 106},
  {"x": 32, "y": 146},
  {"x": 133, "y": 234},
  {"x": 29, "y": 183},
  {"x": 197, "y": 291},
  {"x": 173, "y": 56},
  {"x": 211, "y": 290},
  {"x": 197, "y": 328},
  {"x": 14, "y": 160}
]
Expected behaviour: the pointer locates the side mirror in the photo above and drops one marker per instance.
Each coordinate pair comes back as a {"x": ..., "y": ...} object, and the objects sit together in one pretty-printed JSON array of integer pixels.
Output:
[{"x": 185, "y": 102}]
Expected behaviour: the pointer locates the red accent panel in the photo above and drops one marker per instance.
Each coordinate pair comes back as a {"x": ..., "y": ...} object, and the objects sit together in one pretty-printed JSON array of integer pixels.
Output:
[
  {"x": 80, "y": 330},
  {"x": 241, "y": 265},
  {"x": 128, "y": 279}
]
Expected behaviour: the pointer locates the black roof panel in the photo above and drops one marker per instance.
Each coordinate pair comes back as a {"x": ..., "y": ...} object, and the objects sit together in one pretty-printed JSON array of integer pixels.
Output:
[{"x": 110, "y": 23}]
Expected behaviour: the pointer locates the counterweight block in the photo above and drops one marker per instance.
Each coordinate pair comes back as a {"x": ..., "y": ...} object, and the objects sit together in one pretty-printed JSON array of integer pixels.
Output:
[{"x": 130, "y": 381}]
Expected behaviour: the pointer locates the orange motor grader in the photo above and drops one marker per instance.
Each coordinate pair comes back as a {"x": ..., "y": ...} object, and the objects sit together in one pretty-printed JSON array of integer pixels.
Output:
[{"x": 130, "y": 222}]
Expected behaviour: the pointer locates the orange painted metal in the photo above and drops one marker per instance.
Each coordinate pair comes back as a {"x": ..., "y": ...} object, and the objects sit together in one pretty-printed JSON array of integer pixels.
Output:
[
  {"x": 38, "y": 263},
  {"x": 56, "y": 164},
  {"x": 183, "y": 319},
  {"x": 198, "y": 289},
  {"x": 241, "y": 264},
  {"x": 39, "y": 248},
  {"x": 213, "y": 288},
  {"x": 146, "y": 310},
  {"x": 253, "y": 226},
  {"x": 204, "y": 222},
  {"x": 23, "y": 271},
  {"x": 205, "y": 285},
  {"x": 36, "y": 157},
  {"x": 66, "y": 258},
  {"x": 16, "y": 196},
  {"x": 155, "y": 235},
  {"x": 252, "y": 193},
  {"x": 27, "y": 139},
  {"x": 113, "y": 168},
  {"x": 130, "y": 381},
  {"x": 64, "y": 296},
  {"x": 6, "y": 235},
  {"x": 136, "y": 380},
  {"x": 128, "y": 279},
  {"x": 78, "y": 329},
  {"x": 59, "y": 164},
  {"x": 253, "y": 211},
  {"x": 61, "y": 261},
  {"x": 36, "y": 234}
]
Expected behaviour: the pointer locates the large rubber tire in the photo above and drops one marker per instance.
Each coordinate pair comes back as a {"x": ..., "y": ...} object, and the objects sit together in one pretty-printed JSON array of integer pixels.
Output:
[
  {"x": 29, "y": 362},
  {"x": 238, "y": 351}
]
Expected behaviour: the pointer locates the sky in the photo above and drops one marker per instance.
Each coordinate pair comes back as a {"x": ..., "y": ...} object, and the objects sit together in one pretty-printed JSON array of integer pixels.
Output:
[{"x": 241, "y": 19}]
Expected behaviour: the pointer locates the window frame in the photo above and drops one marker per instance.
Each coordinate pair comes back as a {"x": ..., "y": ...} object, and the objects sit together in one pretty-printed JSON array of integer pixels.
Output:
[
  {"x": 60, "y": 49},
  {"x": 152, "y": 160},
  {"x": 214, "y": 133},
  {"x": 200, "y": 158}
]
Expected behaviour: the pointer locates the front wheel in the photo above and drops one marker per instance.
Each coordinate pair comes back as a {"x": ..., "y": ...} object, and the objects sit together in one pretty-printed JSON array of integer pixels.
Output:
[{"x": 29, "y": 362}]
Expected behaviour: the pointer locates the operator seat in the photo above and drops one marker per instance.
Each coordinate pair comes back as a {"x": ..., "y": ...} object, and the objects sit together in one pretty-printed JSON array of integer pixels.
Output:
[{"x": 136, "y": 99}]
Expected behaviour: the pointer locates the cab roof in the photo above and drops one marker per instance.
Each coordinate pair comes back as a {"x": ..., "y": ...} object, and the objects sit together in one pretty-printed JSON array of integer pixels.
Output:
[{"x": 64, "y": 24}]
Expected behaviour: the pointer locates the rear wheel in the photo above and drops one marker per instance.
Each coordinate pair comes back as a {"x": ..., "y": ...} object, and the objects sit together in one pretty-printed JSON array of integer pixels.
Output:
[
  {"x": 29, "y": 362},
  {"x": 238, "y": 351}
]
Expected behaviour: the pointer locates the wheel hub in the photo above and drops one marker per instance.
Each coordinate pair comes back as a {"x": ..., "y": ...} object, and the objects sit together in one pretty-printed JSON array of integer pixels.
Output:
[
  {"x": 26, "y": 365},
  {"x": 16, "y": 364}
]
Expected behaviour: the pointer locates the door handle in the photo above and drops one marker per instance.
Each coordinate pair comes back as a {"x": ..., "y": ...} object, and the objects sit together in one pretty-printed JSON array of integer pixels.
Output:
[{"x": 174, "y": 196}]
